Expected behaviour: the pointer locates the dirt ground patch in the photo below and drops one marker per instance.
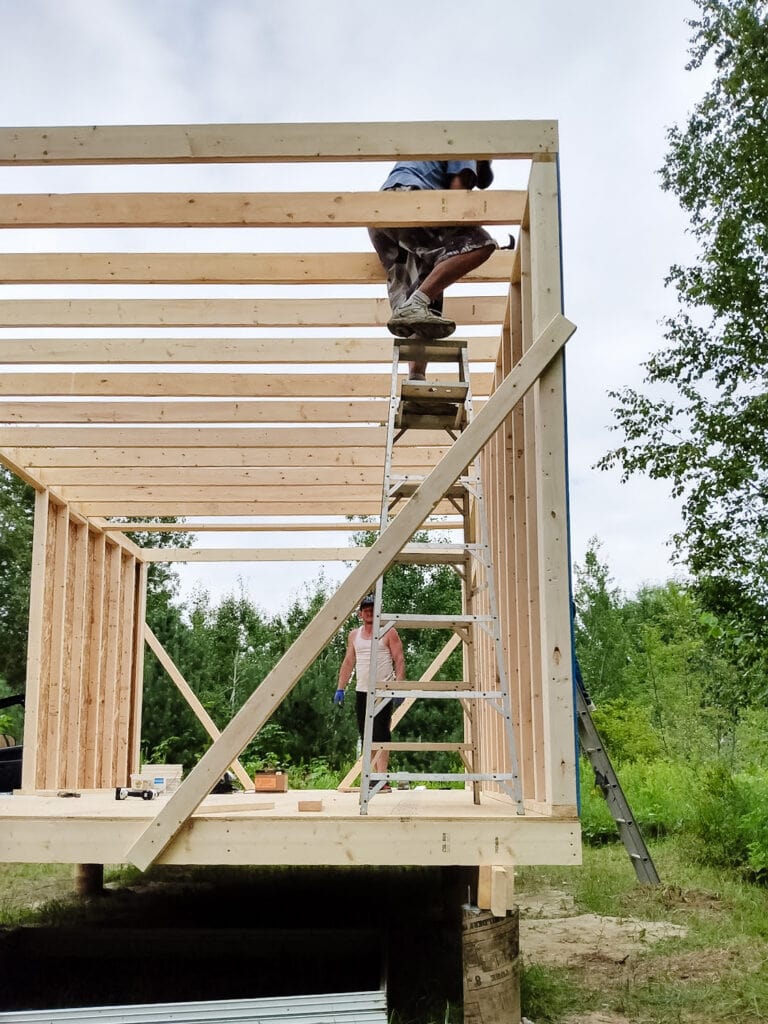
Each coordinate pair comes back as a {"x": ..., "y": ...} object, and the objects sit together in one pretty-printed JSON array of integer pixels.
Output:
[{"x": 551, "y": 933}]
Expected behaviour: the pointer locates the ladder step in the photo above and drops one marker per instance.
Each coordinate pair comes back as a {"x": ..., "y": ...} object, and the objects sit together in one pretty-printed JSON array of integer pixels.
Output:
[
  {"x": 405, "y": 746},
  {"x": 432, "y": 554},
  {"x": 433, "y": 621},
  {"x": 444, "y": 776},
  {"x": 432, "y": 394},
  {"x": 445, "y": 350},
  {"x": 407, "y": 488},
  {"x": 441, "y": 694},
  {"x": 389, "y": 686},
  {"x": 408, "y": 420}
]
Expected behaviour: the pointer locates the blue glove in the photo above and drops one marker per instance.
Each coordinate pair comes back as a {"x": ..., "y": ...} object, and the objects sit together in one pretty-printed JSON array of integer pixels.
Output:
[{"x": 338, "y": 697}]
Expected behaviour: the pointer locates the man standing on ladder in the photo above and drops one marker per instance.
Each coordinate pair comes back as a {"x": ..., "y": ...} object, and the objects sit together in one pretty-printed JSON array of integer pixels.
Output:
[
  {"x": 421, "y": 262},
  {"x": 390, "y": 665}
]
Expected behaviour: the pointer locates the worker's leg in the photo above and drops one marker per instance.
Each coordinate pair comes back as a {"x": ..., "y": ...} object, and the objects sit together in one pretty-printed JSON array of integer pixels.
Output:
[
  {"x": 452, "y": 269},
  {"x": 442, "y": 256},
  {"x": 447, "y": 272},
  {"x": 405, "y": 269},
  {"x": 382, "y": 733}
]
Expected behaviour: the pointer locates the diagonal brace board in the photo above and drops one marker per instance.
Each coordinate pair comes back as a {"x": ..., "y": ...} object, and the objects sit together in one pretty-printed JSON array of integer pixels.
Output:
[
  {"x": 284, "y": 676},
  {"x": 191, "y": 698}
]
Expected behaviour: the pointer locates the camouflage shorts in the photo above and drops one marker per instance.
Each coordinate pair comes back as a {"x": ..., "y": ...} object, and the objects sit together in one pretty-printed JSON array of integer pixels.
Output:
[{"x": 409, "y": 254}]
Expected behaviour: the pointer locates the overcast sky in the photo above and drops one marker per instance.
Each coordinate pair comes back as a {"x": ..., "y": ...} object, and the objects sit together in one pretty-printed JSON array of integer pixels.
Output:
[{"x": 610, "y": 71}]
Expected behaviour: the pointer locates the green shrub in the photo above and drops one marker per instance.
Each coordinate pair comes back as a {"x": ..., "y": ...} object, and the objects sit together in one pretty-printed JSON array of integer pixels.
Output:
[
  {"x": 660, "y": 794},
  {"x": 597, "y": 825},
  {"x": 730, "y": 820},
  {"x": 316, "y": 775},
  {"x": 627, "y": 731}
]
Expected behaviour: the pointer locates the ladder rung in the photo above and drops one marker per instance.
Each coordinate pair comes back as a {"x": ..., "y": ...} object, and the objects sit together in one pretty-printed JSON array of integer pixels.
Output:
[
  {"x": 414, "y": 746},
  {"x": 433, "y": 621},
  {"x": 433, "y": 394},
  {"x": 440, "y": 694},
  {"x": 428, "y": 554},
  {"x": 407, "y": 488},
  {"x": 430, "y": 421},
  {"x": 444, "y": 776},
  {"x": 389, "y": 686},
  {"x": 443, "y": 350}
]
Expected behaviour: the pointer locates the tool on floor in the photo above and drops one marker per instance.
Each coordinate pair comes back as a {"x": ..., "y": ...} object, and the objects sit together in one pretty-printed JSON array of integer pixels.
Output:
[{"x": 122, "y": 792}]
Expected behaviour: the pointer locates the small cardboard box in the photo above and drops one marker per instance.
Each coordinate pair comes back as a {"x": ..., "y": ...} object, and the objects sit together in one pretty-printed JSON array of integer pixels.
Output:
[
  {"x": 270, "y": 782},
  {"x": 165, "y": 778}
]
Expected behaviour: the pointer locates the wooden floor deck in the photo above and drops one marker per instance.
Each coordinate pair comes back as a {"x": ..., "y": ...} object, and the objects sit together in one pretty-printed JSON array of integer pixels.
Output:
[{"x": 414, "y": 827}]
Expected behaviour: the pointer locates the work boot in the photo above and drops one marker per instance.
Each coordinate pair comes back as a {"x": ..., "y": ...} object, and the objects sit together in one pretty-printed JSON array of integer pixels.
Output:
[{"x": 415, "y": 317}]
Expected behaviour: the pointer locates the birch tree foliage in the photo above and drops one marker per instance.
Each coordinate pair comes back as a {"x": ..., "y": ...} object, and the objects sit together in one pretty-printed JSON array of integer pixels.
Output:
[{"x": 700, "y": 420}]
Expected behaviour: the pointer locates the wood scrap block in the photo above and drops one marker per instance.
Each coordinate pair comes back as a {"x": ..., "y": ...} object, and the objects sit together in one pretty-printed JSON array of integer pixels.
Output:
[{"x": 310, "y": 805}]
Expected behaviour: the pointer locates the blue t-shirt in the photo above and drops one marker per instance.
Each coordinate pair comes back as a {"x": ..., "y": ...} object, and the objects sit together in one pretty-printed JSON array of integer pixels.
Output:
[{"x": 437, "y": 174}]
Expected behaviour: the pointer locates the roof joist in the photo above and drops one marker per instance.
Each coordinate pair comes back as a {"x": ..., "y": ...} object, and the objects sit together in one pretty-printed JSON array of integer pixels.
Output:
[
  {"x": 260, "y": 209},
  {"x": 291, "y": 268},
  {"x": 287, "y": 351},
  {"x": 476, "y": 310},
  {"x": 288, "y": 427},
  {"x": 243, "y": 457},
  {"x": 283, "y": 143},
  {"x": 213, "y": 385}
]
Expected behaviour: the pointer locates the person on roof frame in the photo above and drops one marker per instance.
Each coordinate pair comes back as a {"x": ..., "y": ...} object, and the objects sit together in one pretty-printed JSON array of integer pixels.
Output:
[
  {"x": 390, "y": 664},
  {"x": 421, "y": 262}
]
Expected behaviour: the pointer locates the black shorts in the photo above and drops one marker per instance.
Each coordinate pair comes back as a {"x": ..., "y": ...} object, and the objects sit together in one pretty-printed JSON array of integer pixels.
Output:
[{"x": 382, "y": 723}]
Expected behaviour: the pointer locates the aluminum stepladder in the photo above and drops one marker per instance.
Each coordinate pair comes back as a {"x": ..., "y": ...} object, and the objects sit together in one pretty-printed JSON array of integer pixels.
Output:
[
  {"x": 608, "y": 783},
  {"x": 446, "y": 406}
]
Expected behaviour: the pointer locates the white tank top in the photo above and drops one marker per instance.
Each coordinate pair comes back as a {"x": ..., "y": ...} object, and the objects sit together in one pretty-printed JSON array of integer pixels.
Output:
[{"x": 385, "y": 668}]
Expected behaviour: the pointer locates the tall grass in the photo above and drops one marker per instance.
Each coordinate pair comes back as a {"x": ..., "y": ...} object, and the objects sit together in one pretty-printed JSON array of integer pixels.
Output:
[{"x": 722, "y": 814}]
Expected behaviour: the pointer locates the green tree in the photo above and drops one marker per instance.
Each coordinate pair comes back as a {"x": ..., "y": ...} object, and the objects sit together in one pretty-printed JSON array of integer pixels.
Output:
[
  {"x": 17, "y": 510},
  {"x": 702, "y": 422},
  {"x": 661, "y": 661},
  {"x": 603, "y": 644}
]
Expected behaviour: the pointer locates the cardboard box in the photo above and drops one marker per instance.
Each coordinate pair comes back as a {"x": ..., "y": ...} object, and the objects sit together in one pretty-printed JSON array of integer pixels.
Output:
[
  {"x": 164, "y": 778},
  {"x": 270, "y": 782}
]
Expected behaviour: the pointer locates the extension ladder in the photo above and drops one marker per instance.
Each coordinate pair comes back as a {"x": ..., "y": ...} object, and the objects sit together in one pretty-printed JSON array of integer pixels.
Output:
[
  {"x": 608, "y": 783},
  {"x": 422, "y": 406}
]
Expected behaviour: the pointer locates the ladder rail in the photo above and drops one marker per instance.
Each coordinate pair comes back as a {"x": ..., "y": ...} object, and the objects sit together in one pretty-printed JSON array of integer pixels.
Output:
[
  {"x": 381, "y": 693},
  {"x": 607, "y": 781},
  {"x": 490, "y": 581},
  {"x": 371, "y": 709}
]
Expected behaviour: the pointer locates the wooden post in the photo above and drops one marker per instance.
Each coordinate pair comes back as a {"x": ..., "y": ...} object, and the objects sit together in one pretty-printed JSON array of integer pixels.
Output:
[
  {"x": 89, "y": 880},
  {"x": 491, "y": 958}
]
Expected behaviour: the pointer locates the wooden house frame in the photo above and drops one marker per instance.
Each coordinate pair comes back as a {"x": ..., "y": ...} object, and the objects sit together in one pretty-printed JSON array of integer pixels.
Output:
[{"x": 272, "y": 426}]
